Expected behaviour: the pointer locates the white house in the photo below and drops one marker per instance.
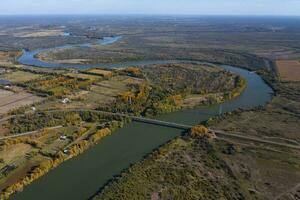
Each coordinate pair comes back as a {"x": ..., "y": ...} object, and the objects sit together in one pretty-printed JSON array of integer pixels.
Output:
[
  {"x": 63, "y": 137},
  {"x": 66, "y": 100},
  {"x": 66, "y": 151}
]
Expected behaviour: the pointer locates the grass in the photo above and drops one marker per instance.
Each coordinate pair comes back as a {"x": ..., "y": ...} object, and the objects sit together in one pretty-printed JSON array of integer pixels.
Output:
[
  {"x": 14, "y": 100},
  {"x": 21, "y": 171},
  {"x": 102, "y": 92},
  {"x": 40, "y": 33},
  {"x": 264, "y": 172},
  {"x": 25, "y": 156},
  {"x": 255, "y": 171},
  {"x": 271, "y": 172},
  {"x": 244, "y": 42},
  {"x": 84, "y": 76},
  {"x": 273, "y": 122},
  {"x": 100, "y": 72},
  {"x": 15, "y": 153},
  {"x": 182, "y": 169},
  {"x": 207, "y": 170},
  {"x": 20, "y": 76}
]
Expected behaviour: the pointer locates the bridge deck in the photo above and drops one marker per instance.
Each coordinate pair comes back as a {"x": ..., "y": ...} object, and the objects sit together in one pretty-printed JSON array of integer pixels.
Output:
[{"x": 219, "y": 133}]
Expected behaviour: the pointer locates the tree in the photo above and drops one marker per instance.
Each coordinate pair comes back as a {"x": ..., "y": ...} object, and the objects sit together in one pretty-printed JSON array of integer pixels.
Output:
[{"x": 201, "y": 131}]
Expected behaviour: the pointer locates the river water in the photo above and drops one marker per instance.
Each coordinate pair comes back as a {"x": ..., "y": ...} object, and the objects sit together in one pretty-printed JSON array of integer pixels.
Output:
[{"x": 82, "y": 176}]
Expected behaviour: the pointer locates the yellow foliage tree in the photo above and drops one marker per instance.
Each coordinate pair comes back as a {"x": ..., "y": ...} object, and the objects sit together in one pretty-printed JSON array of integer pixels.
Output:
[
  {"x": 200, "y": 131},
  {"x": 127, "y": 96}
]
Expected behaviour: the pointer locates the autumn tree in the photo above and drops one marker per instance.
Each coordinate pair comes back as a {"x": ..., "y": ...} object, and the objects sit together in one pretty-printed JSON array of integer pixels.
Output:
[{"x": 200, "y": 131}]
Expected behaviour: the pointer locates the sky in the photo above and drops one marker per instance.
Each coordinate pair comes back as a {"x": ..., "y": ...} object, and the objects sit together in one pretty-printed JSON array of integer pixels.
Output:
[{"x": 155, "y": 7}]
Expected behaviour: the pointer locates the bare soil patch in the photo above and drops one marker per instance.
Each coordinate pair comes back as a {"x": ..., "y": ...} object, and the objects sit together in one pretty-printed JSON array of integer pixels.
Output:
[
  {"x": 11, "y": 100},
  {"x": 41, "y": 33},
  {"x": 289, "y": 70},
  {"x": 101, "y": 72}
]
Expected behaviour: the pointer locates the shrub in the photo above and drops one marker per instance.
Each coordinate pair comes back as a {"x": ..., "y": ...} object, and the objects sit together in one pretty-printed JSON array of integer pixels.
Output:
[{"x": 200, "y": 131}]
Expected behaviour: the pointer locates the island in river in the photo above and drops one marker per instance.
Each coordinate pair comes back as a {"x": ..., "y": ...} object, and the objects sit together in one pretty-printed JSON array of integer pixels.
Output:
[
  {"x": 227, "y": 167},
  {"x": 131, "y": 90}
]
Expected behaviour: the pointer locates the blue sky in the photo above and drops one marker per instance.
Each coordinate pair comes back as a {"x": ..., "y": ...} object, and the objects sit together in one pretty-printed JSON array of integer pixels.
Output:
[{"x": 200, "y": 7}]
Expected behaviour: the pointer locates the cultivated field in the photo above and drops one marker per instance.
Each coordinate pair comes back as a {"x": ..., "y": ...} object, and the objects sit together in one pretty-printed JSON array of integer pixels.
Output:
[
  {"x": 27, "y": 153},
  {"x": 100, "y": 72},
  {"x": 100, "y": 93},
  {"x": 20, "y": 76},
  {"x": 11, "y": 100},
  {"x": 84, "y": 76},
  {"x": 40, "y": 33},
  {"x": 289, "y": 70},
  {"x": 220, "y": 169},
  {"x": 8, "y": 57},
  {"x": 103, "y": 93}
]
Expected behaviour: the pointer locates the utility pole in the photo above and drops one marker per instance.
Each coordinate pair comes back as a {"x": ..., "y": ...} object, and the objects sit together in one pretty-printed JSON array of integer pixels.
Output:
[
  {"x": 220, "y": 109},
  {"x": 130, "y": 100}
]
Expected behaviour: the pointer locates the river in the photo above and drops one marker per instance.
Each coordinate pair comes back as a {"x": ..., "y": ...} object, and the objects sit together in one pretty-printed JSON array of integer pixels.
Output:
[{"x": 82, "y": 176}]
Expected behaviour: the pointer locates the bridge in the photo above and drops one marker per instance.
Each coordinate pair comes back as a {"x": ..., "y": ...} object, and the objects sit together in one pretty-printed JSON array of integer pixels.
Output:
[
  {"x": 219, "y": 133},
  {"x": 161, "y": 123},
  {"x": 132, "y": 117}
]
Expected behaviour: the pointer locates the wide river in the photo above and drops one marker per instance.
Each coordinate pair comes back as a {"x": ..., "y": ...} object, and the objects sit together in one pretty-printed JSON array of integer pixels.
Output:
[{"x": 82, "y": 176}]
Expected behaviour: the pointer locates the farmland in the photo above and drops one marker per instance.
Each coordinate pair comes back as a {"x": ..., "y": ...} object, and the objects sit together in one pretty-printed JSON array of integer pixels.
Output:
[
  {"x": 100, "y": 72},
  {"x": 35, "y": 150},
  {"x": 87, "y": 89},
  {"x": 187, "y": 167},
  {"x": 265, "y": 166},
  {"x": 20, "y": 76},
  {"x": 14, "y": 100},
  {"x": 289, "y": 70},
  {"x": 8, "y": 57},
  {"x": 256, "y": 171}
]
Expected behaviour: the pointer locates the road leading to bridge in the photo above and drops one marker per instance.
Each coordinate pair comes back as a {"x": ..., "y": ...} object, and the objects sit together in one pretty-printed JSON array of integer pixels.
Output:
[{"x": 219, "y": 133}]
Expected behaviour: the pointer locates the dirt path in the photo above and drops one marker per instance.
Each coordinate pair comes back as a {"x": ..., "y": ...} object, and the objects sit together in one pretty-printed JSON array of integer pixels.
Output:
[
  {"x": 28, "y": 133},
  {"x": 219, "y": 133}
]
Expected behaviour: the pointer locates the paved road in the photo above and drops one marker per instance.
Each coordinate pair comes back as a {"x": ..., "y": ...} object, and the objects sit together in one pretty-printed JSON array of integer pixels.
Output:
[{"x": 218, "y": 133}]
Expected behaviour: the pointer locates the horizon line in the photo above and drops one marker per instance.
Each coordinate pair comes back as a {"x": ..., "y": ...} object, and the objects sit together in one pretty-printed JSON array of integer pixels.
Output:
[{"x": 149, "y": 14}]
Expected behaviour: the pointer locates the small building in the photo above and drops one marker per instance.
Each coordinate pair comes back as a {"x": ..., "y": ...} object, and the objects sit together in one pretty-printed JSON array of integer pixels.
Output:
[
  {"x": 63, "y": 137},
  {"x": 74, "y": 71},
  {"x": 66, "y": 151},
  {"x": 2, "y": 71},
  {"x": 66, "y": 100}
]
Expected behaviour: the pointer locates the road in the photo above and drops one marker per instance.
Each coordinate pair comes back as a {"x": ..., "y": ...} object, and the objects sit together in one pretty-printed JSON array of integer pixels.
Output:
[
  {"x": 28, "y": 133},
  {"x": 219, "y": 133}
]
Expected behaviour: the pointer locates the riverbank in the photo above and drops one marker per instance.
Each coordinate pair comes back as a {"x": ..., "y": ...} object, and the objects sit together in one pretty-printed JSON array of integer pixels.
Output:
[
  {"x": 238, "y": 169},
  {"x": 50, "y": 83},
  {"x": 115, "y": 148},
  {"x": 37, "y": 57},
  {"x": 47, "y": 165}
]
